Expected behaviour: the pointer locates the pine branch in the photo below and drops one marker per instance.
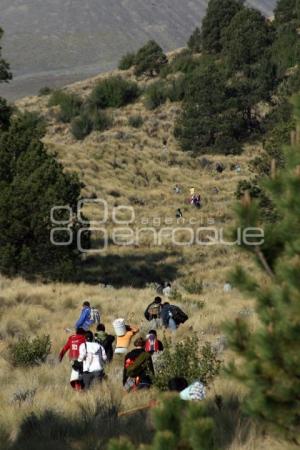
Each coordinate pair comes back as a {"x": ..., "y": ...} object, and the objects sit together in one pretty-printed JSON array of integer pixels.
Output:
[{"x": 263, "y": 261}]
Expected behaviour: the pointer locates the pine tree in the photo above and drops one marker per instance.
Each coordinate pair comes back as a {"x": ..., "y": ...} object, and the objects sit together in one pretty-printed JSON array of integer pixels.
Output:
[
  {"x": 178, "y": 425},
  {"x": 149, "y": 60},
  {"x": 210, "y": 119},
  {"x": 195, "y": 41},
  {"x": 218, "y": 16},
  {"x": 246, "y": 38},
  {"x": 287, "y": 11},
  {"x": 270, "y": 356},
  {"x": 5, "y": 76},
  {"x": 31, "y": 183},
  {"x": 286, "y": 48}
]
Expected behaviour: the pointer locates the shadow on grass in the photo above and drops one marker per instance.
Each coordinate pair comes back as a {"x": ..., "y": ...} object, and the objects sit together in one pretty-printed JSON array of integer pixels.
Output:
[
  {"x": 134, "y": 270},
  {"x": 52, "y": 431},
  {"x": 231, "y": 422},
  {"x": 93, "y": 428}
]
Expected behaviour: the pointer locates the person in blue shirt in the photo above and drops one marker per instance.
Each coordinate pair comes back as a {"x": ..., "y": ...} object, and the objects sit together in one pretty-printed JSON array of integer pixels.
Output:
[{"x": 84, "y": 320}]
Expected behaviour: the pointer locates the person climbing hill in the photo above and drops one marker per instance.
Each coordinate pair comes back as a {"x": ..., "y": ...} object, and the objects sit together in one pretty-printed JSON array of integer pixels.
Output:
[
  {"x": 138, "y": 367},
  {"x": 152, "y": 344},
  {"x": 172, "y": 316},
  {"x": 72, "y": 346},
  {"x": 93, "y": 357},
  {"x": 178, "y": 315},
  {"x": 85, "y": 320},
  {"x": 166, "y": 317},
  {"x": 152, "y": 312},
  {"x": 106, "y": 340},
  {"x": 123, "y": 342}
]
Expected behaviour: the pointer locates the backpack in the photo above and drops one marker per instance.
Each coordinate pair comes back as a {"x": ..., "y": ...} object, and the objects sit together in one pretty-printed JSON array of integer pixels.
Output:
[
  {"x": 178, "y": 315},
  {"x": 151, "y": 345},
  {"x": 135, "y": 366},
  {"x": 95, "y": 316},
  {"x": 154, "y": 310}
]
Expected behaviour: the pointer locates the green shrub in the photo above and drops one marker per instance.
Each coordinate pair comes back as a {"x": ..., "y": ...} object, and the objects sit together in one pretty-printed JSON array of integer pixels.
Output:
[
  {"x": 184, "y": 62},
  {"x": 186, "y": 359},
  {"x": 27, "y": 352},
  {"x": 44, "y": 91},
  {"x": 70, "y": 105},
  {"x": 193, "y": 286},
  {"x": 156, "y": 95},
  {"x": 113, "y": 92},
  {"x": 149, "y": 60},
  {"x": 127, "y": 61},
  {"x": 195, "y": 41},
  {"x": 135, "y": 121},
  {"x": 56, "y": 98},
  {"x": 81, "y": 126},
  {"x": 101, "y": 121},
  {"x": 176, "y": 89},
  {"x": 69, "y": 108}
]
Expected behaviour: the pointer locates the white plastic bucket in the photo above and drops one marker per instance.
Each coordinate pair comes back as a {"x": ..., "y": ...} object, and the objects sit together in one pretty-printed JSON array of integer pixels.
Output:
[{"x": 119, "y": 327}]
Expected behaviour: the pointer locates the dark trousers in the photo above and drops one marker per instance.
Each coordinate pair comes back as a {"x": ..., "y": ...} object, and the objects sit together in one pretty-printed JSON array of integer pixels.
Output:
[{"x": 90, "y": 378}]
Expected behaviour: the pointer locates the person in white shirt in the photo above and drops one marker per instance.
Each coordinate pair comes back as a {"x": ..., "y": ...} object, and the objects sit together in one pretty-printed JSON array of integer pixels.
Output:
[{"x": 93, "y": 357}]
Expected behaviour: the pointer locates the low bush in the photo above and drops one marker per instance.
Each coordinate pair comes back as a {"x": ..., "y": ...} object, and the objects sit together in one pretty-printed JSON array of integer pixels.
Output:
[
  {"x": 135, "y": 121},
  {"x": 193, "y": 286},
  {"x": 101, "y": 121},
  {"x": 127, "y": 61},
  {"x": 184, "y": 62},
  {"x": 176, "y": 89},
  {"x": 81, "y": 126},
  {"x": 70, "y": 105},
  {"x": 186, "y": 359},
  {"x": 156, "y": 95},
  {"x": 56, "y": 98},
  {"x": 27, "y": 352},
  {"x": 113, "y": 92},
  {"x": 44, "y": 91}
]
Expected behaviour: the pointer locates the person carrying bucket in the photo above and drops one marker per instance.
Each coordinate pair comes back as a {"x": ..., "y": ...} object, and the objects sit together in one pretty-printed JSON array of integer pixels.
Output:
[{"x": 124, "y": 335}]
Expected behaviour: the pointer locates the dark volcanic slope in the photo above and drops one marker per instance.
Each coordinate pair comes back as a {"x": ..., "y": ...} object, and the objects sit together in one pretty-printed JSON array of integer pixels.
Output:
[{"x": 67, "y": 39}]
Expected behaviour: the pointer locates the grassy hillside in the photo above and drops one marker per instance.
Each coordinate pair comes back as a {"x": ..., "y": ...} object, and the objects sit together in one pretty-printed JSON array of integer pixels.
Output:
[{"x": 127, "y": 166}]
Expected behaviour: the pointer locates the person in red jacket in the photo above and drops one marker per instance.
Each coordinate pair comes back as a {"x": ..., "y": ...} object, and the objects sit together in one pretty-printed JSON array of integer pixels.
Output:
[{"x": 72, "y": 346}]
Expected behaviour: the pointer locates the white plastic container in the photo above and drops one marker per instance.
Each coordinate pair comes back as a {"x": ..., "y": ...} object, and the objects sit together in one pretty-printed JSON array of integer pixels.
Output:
[{"x": 119, "y": 327}]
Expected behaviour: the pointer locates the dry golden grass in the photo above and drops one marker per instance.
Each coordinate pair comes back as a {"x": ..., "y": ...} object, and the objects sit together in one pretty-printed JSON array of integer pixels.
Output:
[{"x": 132, "y": 163}]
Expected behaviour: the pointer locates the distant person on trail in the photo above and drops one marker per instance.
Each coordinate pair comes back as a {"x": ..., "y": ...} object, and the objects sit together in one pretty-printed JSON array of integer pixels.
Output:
[
  {"x": 152, "y": 344},
  {"x": 178, "y": 213},
  {"x": 138, "y": 367},
  {"x": 93, "y": 357},
  {"x": 220, "y": 167},
  {"x": 167, "y": 289},
  {"x": 152, "y": 312},
  {"x": 123, "y": 342},
  {"x": 72, "y": 346},
  {"x": 85, "y": 320},
  {"x": 106, "y": 340},
  {"x": 177, "y": 189},
  {"x": 197, "y": 201}
]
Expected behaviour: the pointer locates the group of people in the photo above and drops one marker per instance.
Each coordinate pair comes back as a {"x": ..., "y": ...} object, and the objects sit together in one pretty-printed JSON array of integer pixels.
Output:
[{"x": 90, "y": 352}]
